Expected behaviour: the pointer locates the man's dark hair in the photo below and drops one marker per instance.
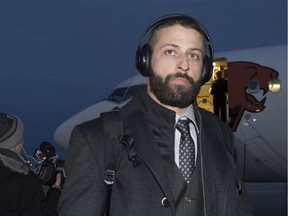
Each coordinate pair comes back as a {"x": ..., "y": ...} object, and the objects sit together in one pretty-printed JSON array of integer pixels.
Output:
[{"x": 184, "y": 21}]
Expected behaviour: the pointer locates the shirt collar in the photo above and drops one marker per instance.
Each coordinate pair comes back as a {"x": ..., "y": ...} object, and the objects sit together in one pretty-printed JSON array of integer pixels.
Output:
[{"x": 190, "y": 115}]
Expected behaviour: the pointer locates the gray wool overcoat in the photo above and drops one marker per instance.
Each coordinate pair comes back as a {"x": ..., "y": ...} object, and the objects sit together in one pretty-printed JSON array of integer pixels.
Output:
[{"x": 139, "y": 191}]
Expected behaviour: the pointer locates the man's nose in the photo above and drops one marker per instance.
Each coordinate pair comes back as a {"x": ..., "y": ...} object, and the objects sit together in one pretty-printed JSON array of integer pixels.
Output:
[{"x": 183, "y": 64}]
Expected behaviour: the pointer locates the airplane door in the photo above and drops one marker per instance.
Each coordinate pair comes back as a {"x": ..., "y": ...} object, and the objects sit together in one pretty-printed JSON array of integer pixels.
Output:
[{"x": 205, "y": 98}]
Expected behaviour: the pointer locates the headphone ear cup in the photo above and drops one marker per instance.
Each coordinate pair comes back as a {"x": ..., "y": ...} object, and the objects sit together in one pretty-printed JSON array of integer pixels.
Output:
[
  {"x": 143, "y": 60},
  {"x": 207, "y": 69}
]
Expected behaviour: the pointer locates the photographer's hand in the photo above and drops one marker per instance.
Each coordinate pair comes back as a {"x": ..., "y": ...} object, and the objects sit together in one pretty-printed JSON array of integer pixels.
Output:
[
  {"x": 60, "y": 178},
  {"x": 57, "y": 183}
]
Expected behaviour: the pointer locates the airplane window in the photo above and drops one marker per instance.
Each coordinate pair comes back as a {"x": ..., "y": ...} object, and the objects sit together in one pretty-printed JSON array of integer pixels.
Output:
[
  {"x": 133, "y": 90},
  {"x": 117, "y": 95}
]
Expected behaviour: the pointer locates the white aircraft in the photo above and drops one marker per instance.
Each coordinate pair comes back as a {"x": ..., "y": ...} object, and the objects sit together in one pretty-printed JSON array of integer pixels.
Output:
[{"x": 256, "y": 101}]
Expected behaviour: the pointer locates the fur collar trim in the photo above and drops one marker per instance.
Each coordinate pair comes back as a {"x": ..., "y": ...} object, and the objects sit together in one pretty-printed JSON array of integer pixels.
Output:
[{"x": 14, "y": 163}]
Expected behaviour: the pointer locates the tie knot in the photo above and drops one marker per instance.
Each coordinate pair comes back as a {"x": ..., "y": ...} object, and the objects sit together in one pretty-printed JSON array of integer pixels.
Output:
[{"x": 183, "y": 125}]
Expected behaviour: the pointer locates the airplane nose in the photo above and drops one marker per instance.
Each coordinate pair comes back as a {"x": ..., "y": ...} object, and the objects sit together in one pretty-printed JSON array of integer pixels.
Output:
[{"x": 62, "y": 135}]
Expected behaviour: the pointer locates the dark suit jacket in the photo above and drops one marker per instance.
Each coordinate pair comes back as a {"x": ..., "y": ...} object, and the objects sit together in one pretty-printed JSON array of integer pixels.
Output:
[{"x": 141, "y": 191}]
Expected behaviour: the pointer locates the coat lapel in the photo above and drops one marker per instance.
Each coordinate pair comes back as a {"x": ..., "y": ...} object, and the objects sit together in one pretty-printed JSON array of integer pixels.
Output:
[{"x": 148, "y": 150}]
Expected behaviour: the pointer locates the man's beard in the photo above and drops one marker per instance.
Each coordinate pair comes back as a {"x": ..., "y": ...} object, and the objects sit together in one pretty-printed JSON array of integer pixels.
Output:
[{"x": 172, "y": 94}]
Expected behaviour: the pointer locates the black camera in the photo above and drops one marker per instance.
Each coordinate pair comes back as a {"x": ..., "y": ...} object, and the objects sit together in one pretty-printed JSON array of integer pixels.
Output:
[{"x": 49, "y": 164}]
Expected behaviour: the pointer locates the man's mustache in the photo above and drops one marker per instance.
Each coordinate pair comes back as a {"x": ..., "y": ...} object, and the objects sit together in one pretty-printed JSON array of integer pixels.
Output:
[{"x": 180, "y": 75}]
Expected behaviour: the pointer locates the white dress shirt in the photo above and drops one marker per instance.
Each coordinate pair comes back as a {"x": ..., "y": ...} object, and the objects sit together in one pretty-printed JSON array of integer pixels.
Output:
[{"x": 189, "y": 114}]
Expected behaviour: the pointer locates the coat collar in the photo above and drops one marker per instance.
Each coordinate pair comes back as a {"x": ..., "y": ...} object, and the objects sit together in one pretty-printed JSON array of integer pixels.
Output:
[{"x": 13, "y": 162}]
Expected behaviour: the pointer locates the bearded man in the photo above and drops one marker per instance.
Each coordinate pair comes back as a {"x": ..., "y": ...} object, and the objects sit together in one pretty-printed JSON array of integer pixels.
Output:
[{"x": 187, "y": 157}]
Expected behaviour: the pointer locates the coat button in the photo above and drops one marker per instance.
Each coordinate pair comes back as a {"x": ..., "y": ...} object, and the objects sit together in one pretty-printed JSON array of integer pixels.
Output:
[{"x": 165, "y": 202}]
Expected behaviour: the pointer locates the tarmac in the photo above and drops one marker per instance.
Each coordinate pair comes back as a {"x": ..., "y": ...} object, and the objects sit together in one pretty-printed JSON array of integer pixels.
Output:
[{"x": 268, "y": 199}]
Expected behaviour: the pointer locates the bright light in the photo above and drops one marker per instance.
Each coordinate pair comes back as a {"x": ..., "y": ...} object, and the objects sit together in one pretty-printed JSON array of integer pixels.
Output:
[{"x": 274, "y": 85}]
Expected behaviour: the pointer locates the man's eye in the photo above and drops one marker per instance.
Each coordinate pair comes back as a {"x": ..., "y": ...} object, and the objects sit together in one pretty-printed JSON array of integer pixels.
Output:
[
  {"x": 170, "y": 52},
  {"x": 194, "y": 56}
]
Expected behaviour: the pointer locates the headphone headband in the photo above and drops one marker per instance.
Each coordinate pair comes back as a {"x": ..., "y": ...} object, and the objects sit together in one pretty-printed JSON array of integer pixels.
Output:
[{"x": 144, "y": 50}]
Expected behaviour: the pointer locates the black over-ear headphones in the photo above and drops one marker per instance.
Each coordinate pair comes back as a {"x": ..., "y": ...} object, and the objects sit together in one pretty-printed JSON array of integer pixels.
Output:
[{"x": 143, "y": 53}]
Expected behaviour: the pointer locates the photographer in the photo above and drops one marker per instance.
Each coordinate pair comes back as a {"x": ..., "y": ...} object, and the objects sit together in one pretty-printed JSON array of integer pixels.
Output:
[{"x": 21, "y": 192}]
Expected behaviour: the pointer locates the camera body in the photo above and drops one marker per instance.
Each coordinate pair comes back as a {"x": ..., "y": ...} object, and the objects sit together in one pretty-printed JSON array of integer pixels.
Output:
[{"x": 49, "y": 164}]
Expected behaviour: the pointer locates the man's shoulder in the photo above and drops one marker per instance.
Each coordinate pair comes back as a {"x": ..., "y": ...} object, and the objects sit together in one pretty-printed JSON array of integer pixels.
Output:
[
  {"x": 129, "y": 112},
  {"x": 89, "y": 124},
  {"x": 94, "y": 127},
  {"x": 89, "y": 129},
  {"x": 206, "y": 114}
]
